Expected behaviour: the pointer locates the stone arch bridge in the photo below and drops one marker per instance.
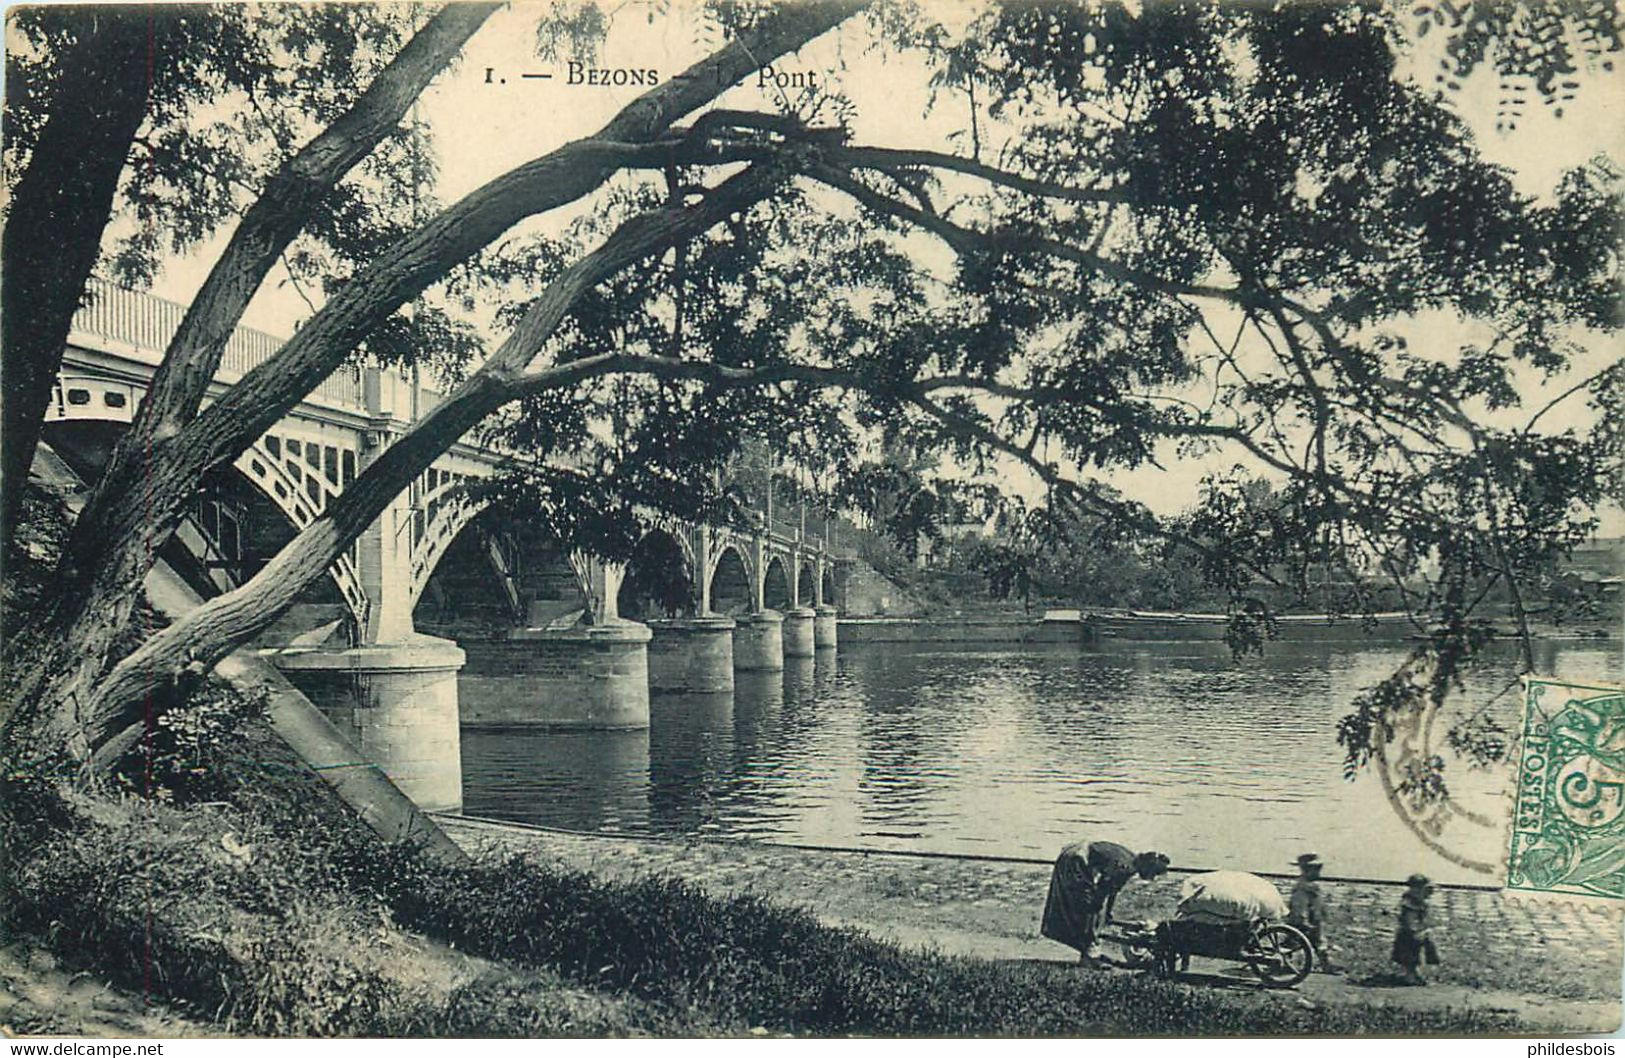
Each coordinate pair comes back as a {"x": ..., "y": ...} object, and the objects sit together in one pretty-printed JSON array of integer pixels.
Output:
[{"x": 522, "y": 632}]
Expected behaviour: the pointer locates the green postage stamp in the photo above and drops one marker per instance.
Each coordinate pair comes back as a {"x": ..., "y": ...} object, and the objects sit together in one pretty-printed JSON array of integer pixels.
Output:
[{"x": 1568, "y": 822}]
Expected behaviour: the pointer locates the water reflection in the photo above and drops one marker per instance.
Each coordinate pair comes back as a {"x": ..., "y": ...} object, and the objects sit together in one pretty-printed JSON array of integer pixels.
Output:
[
  {"x": 1174, "y": 746},
  {"x": 691, "y": 760},
  {"x": 587, "y": 780}
]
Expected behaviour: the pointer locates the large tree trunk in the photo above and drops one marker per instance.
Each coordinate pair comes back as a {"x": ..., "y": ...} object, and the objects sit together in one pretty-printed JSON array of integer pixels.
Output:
[
  {"x": 58, "y": 211},
  {"x": 123, "y": 527}
]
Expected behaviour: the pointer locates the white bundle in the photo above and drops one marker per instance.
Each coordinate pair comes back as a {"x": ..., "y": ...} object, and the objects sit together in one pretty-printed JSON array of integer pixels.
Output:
[{"x": 1229, "y": 896}]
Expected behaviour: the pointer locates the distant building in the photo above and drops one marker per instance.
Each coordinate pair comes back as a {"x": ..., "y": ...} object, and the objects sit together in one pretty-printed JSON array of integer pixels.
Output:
[{"x": 1597, "y": 564}]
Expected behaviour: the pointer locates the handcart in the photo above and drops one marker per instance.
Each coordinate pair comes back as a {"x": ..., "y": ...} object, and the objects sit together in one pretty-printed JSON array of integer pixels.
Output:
[
  {"x": 1280, "y": 955},
  {"x": 1230, "y": 915}
]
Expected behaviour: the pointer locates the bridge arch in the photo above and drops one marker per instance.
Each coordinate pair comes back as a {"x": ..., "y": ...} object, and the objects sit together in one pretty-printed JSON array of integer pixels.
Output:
[
  {"x": 300, "y": 477},
  {"x": 659, "y": 578},
  {"x": 441, "y": 507},
  {"x": 472, "y": 587},
  {"x": 479, "y": 572},
  {"x": 776, "y": 584},
  {"x": 237, "y": 523},
  {"x": 806, "y": 583},
  {"x": 731, "y": 591},
  {"x": 88, "y": 414},
  {"x": 827, "y": 598}
]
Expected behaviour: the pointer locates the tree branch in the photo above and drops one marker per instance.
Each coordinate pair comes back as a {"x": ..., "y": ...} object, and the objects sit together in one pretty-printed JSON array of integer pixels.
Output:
[
  {"x": 133, "y": 523},
  {"x": 1124, "y": 513},
  {"x": 221, "y": 624},
  {"x": 888, "y": 159},
  {"x": 965, "y": 241}
]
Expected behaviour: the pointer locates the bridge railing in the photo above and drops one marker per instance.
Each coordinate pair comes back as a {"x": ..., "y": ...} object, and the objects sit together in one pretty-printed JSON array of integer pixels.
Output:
[{"x": 148, "y": 323}]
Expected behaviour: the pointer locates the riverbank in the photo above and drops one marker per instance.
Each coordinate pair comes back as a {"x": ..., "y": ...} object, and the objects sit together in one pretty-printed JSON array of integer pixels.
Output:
[
  {"x": 1105, "y": 628},
  {"x": 1556, "y": 966}
]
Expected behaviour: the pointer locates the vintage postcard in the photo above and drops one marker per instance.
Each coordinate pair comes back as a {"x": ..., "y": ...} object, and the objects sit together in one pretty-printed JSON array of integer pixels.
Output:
[{"x": 836, "y": 518}]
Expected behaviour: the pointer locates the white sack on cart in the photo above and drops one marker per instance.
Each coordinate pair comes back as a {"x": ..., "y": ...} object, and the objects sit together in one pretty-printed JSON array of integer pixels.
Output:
[{"x": 1229, "y": 896}]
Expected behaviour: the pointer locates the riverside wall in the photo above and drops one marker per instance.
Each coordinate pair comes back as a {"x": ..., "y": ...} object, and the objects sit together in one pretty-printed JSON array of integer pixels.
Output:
[
  {"x": 957, "y": 630},
  {"x": 1104, "y": 629}
]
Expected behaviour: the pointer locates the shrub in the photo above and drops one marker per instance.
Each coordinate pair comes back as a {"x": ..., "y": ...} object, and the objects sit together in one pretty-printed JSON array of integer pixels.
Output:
[
  {"x": 185, "y": 753},
  {"x": 245, "y": 925}
]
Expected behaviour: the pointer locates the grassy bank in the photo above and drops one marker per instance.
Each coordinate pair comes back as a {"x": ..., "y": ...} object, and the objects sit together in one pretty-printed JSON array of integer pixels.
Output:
[
  {"x": 269, "y": 912},
  {"x": 239, "y": 923},
  {"x": 747, "y": 961}
]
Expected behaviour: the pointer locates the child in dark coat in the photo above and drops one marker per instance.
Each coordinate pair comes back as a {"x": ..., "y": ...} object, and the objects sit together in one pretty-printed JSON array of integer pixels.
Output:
[{"x": 1412, "y": 943}]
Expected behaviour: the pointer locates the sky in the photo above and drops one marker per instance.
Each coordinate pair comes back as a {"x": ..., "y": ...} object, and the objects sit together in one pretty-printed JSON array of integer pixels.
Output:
[{"x": 485, "y": 117}]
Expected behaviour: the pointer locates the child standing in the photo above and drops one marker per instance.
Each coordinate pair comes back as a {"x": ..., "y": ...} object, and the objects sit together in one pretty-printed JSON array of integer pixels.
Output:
[
  {"x": 1306, "y": 910},
  {"x": 1412, "y": 942}
]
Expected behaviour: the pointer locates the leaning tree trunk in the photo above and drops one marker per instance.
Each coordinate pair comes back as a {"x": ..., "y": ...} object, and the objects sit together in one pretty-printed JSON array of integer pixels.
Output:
[{"x": 189, "y": 365}]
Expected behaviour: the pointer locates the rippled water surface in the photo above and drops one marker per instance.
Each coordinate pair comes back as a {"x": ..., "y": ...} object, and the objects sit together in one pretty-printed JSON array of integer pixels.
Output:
[{"x": 1173, "y": 746}]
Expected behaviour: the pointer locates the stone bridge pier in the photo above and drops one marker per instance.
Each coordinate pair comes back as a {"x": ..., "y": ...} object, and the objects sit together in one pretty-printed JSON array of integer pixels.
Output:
[
  {"x": 391, "y": 689},
  {"x": 546, "y": 646},
  {"x": 739, "y": 607},
  {"x": 692, "y": 649}
]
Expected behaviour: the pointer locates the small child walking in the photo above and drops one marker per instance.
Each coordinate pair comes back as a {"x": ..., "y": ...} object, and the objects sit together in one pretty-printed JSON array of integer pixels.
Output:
[{"x": 1412, "y": 942}]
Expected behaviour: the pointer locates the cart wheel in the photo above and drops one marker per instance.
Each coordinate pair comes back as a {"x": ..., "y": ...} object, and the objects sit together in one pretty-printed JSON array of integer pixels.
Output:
[{"x": 1281, "y": 956}]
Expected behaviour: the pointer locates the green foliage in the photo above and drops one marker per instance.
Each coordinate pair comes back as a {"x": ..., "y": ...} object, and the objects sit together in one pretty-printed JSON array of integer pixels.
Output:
[
  {"x": 269, "y": 78},
  {"x": 657, "y": 582},
  {"x": 1265, "y": 158},
  {"x": 184, "y": 754},
  {"x": 1431, "y": 672}
]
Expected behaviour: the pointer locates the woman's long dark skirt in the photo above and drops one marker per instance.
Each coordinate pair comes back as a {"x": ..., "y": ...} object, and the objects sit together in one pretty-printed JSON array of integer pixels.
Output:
[{"x": 1074, "y": 901}]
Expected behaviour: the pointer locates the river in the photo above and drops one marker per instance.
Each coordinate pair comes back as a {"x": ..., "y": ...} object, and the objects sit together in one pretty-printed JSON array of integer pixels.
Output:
[{"x": 1017, "y": 751}]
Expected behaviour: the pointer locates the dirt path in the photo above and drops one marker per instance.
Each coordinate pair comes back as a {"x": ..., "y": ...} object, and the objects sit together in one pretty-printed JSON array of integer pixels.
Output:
[
  {"x": 1556, "y": 966},
  {"x": 1552, "y": 1012},
  {"x": 39, "y": 998}
]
